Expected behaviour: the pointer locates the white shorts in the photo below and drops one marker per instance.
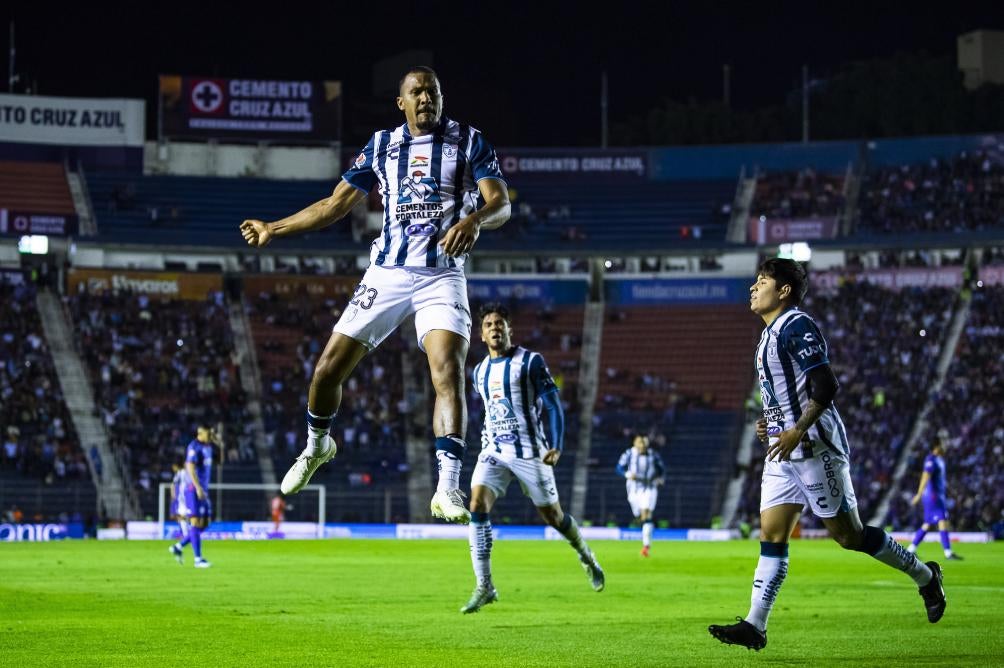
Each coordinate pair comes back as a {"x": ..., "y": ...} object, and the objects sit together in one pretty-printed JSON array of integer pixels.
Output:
[
  {"x": 386, "y": 296},
  {"x": 495, "y": 471},
  {"x": 822, "y": 482},
  {"x": 641, "y": 497}
]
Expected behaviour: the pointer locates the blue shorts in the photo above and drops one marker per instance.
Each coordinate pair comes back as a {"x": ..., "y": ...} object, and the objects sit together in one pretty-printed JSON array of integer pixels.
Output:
[
  {"x": 934, "y": 510},
  {"x": 190, "y": 505}
]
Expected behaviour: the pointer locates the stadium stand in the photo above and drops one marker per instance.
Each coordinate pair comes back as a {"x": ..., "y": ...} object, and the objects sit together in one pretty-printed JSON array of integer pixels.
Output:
[
  {"x": 43, "y": 470},
  {"x": 290, "y": 331},
  {"x": 798, "y": 194},
  {"x": 968, "y": 413},
  {"x": 35, "y": 187},
  {"x": 942, "y": 195},
  {"x": 159, "y": 367},
  {"x": 200, "y": 211}
]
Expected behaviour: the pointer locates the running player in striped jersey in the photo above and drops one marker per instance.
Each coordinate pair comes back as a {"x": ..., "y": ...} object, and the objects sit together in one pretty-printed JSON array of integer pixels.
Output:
[
  {"x": 516, "y": 387},
  {"x": 808, "y": 460},
  {"x": 177, "y": 490},
  {"x": 431, "y": 172},
  {"x": 932, "y": 491},
  {"x": 644, "y": 471}
]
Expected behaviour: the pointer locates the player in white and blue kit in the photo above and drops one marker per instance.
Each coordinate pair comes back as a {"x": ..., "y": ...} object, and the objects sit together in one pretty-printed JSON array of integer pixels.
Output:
[
  {"x": 194, "y": 504},
  {"x": 808, "y": 459},
  {"x": 644, "y": 471},
  {"x": 178, "y": 483},
  {"x": 430, "y": 172},
  {"x": 932, "y": 490},
  {"x": 517, "y": 391}
]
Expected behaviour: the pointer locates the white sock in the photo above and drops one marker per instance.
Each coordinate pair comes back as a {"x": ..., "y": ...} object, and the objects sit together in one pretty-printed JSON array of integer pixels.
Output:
[
  {"x": 449, "y": 471},
  {"x": 911, "y": 548},
  {"x": 771, "y": 570},
  {"x": 318, "y": 427},
  {"x": 479, "y": 536},
  {"x": 646, "y": 533},
  {"x": 893, "y": 554}
]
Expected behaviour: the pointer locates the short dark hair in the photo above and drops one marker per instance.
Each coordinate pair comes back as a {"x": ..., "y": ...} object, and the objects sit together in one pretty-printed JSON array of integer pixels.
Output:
[
  {"x": 786, "y": 272},
  {"x": 417, "y": 69},
  {"x": 493, "y": 307}
]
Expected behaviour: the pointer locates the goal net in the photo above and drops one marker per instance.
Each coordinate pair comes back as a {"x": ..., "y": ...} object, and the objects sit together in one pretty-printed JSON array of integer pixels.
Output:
[{"x": 251, "y": 504}]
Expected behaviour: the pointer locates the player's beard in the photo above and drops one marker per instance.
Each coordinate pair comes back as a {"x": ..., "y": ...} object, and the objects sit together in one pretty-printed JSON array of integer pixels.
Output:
[{"x": 426, "y": 121}]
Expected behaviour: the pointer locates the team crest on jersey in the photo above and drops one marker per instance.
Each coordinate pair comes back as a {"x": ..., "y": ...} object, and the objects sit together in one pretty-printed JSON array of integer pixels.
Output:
[
  {"x": 449, "y": 150},
  {"x": 772, "y": 350}
]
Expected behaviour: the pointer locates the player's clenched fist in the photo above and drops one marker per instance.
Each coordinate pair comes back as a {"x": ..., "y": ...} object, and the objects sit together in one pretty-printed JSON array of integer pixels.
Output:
[{"x": 256, "y": 233}]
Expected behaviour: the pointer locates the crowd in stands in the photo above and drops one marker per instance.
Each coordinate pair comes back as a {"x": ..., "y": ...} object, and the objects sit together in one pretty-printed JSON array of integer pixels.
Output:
[
  {"x": 962, "y": 193},
  {"x": 967, "y": 416},
  {"x": 882, "y": 347},
  {"x": 160, "y": 367},
  {"x": 290, "y": 332},
  {"x": 37, "y": 433},
  {"x": 798, "y": 195}
]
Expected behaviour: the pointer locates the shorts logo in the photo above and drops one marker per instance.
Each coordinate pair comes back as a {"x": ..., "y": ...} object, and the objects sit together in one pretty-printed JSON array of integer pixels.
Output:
[{"x": 351, "y": 313}]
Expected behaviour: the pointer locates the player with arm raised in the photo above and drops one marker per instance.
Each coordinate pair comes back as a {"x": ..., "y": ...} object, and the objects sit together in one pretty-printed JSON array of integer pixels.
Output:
[
  {"x": 808, "y": 458},
  {"x": 430, "y": 171},
  {"x": 644, "y": 470},
  {"x": 516, "y": 388},
  {"x": 932, "y": 491}
]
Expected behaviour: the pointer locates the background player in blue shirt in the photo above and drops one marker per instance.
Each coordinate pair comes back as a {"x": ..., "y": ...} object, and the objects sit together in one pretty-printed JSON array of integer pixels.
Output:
[
  {"x": 932, "y": 491},
  {"x": 194, "y": 504}
]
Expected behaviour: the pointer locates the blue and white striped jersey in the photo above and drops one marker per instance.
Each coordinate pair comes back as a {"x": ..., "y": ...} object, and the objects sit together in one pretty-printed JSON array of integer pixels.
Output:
[
  {"x": 427, "y": 185},
  {"x": 178, "y": 482},
  {"x": 645, "y": 467},
  {"x": 511, "y": 387},
  {"x": 788, "y": 348}
]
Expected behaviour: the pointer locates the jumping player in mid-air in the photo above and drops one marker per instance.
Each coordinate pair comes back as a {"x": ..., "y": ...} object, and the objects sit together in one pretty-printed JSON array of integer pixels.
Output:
[
  {"x": 808, "y": 458},
  {"x": 431, "y": 172}
]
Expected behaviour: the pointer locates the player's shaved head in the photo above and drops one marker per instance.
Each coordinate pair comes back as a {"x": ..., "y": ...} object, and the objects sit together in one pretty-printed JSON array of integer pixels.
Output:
[{"x": 417, "y": 69}]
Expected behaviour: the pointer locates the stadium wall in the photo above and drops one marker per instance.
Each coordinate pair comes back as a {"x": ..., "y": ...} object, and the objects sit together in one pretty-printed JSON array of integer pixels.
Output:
[{"x": 242, "y": 160}]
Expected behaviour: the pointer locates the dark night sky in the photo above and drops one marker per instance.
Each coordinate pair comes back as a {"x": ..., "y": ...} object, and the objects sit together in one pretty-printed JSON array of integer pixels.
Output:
[{"x": 525, "y": 73}]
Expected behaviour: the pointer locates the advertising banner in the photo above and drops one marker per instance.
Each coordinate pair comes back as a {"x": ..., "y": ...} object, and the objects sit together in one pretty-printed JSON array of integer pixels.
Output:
[
  {"x": 251, "y": 108},
  {"x": 72, "y": 121},
  {"x": 892, "y": 279},
  {"x": 579, "y": 164},
  {"x": 175, "y": 285},
  {"x": 40, "y": 533},
  {"x": 552, "y": 291},
  {"x": 336, "y": 287},
  {"x": 676, "y": 291},
  {"x": 779, "y": 231},
  {"x": 24, "y": 222}
]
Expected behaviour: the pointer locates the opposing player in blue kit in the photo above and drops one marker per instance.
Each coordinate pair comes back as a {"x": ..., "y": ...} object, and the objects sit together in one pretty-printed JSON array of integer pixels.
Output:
[{"x": 932, "y": 490}]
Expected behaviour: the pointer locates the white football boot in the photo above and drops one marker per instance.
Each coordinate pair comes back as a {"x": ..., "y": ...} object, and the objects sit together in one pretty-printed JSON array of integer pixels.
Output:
[
  {"x": 299, "y": 473},
  {"x": 449, "y": 506}
]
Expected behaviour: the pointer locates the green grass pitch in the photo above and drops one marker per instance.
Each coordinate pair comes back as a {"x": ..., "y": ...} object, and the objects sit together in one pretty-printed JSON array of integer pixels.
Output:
[{"x": 396, "y": 603}]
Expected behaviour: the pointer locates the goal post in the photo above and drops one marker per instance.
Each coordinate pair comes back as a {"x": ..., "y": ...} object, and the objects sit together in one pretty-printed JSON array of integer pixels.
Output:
[{"x": 223, "y": 496}]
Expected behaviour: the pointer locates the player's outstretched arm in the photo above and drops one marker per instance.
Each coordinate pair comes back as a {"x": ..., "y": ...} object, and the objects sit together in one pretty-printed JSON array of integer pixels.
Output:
[
  {"x": 319, "y": 214},
  {"x": 460, "y": 238}
]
